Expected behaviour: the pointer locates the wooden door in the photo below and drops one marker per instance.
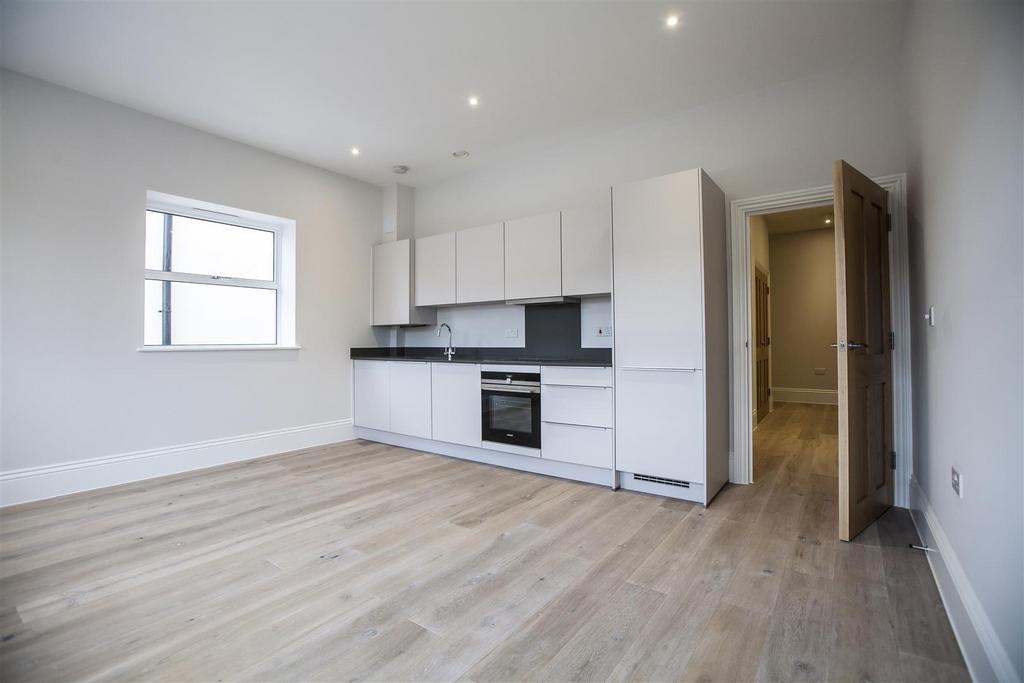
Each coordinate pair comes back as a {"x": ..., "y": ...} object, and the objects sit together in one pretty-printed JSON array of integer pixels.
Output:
[
  {"x": 762, "y": 342},
  {"x": 865, "y": 358}
]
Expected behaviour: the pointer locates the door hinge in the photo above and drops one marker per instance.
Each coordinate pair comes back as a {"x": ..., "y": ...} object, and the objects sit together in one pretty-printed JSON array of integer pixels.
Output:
[
  {"x": 888, "y": 222},
  {"x": 769, "y": 391},
  {"x": 892, "y": 340},
  {"x": 892, "y": 459}
]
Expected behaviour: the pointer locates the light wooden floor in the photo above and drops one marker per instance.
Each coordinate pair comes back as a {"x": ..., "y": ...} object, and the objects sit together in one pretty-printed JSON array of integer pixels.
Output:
[{"x": 367, "y": 562}]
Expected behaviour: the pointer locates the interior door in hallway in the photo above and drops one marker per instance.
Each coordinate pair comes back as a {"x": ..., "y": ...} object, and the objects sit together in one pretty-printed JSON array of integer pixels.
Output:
[
  {"x": 863, "y": 346},
  {"x": 762, "y": 340}
]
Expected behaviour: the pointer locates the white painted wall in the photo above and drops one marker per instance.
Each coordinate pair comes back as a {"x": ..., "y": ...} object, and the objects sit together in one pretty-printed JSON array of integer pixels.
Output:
[
  {"x": 965, "y": 67},
  {"x": 75, "y": 171},
  {"x": 480, "y": 325},
  {"x": 779, "y": 138},
  {"x": 803, "y": 305}
]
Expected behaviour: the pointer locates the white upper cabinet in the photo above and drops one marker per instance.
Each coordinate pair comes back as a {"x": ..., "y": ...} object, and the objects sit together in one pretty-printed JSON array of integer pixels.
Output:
[
  {"x": 480, "y": 264},
  {"x": 410, "y": 398},
  {"x": 533, "y": 266},
  {"x": 435, "y": 270},
  {"x": 587, "y": 250},
  {"x": 658, "y": 276},
  {"x": 392, "y": 286}
]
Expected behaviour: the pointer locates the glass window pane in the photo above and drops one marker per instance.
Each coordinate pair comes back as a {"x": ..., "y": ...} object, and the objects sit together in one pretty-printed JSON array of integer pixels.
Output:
[
  {"x": 220, "y": 314},
  {"x": 153, "y": 318},
  {"x": 154, "y": 240},
  {"x": 208, "y": 248}
]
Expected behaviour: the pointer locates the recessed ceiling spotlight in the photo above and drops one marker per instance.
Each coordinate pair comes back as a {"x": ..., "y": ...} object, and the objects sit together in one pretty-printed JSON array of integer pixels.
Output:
[
  {"x": 672, "y": 21},
  {"x": 355, "y": 151},
  {"x": 473, "y": 100},
  {"x": 828, "y": 220},
  {"x": 400, "y": 169},
  {"x": 460, "y": 154}
]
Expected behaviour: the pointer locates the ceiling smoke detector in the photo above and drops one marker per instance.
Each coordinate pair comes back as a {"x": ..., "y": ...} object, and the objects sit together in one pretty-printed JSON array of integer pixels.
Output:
[
  {"x": 460, "y": 154},
  {"x": 400, "y": 169}
]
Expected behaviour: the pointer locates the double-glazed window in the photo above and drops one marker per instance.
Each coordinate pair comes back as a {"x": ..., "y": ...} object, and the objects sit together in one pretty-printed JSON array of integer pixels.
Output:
[{"x": 214, "y": 277}]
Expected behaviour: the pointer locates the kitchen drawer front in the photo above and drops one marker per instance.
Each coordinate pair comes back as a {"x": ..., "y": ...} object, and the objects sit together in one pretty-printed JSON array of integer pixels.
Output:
[
  {"x": 592, "y": 406},
  {"x": 593, "y": 446},
  {"x": 580, "y": 377}
]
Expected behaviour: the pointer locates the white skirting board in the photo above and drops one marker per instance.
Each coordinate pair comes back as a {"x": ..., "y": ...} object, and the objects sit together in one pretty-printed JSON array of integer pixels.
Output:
[
  {"x": 791, "y": 395},
  {"x": 36, "y": 483},
  {"x": 985, "y": 655},
  {"x": 552, "y": 468}
]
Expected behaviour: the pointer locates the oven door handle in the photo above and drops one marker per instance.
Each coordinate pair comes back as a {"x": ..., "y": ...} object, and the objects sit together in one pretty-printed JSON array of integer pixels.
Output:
[{"x": 501, "y": 388}]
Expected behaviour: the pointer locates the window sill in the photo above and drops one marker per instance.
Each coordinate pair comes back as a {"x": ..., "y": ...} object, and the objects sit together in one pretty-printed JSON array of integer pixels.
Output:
[{"x": 222, "y": 347}]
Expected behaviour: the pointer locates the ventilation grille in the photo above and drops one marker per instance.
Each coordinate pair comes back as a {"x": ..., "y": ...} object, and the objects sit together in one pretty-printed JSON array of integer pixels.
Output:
[{"x": 662, "y": 480}]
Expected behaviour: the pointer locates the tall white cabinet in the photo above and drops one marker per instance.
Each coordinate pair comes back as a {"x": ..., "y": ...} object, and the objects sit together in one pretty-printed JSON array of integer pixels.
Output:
[{"x": 671, "y": 335}]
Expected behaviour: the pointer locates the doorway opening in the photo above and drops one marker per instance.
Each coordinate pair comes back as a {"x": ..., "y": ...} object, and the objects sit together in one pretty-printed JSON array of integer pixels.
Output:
[
  {"x": 741, "y": 470},
  {"x": 793, "y": 325}
]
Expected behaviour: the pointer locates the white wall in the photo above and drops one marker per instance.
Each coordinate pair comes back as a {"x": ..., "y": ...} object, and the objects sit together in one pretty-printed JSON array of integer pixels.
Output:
[
  {"x": 965, "y": 102},
  {"x": 803, "y": 322},
  {"x": 75, "y": 171},
  {"x": 779, "y": 138}
]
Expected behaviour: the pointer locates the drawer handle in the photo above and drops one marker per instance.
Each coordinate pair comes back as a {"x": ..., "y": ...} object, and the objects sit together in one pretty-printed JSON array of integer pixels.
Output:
[
  {"x": 641, "y": 368},
  {"x": 578, "y": 386},
  {"x": 570, "y": 424}
]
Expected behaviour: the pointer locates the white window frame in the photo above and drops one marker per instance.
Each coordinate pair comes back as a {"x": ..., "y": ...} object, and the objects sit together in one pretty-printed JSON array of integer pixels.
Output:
[{"x": 283, "y": 282}]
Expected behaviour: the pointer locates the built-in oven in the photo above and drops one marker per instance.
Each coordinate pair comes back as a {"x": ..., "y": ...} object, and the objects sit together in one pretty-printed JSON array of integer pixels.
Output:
[{"x": 511, "y": 407}]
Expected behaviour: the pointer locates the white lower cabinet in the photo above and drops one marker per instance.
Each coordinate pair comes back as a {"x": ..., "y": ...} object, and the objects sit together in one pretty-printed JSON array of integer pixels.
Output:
[
  {"x": 410, "y": 398},
  {"x": 455, "y": 403},
  {"x": 582, "y": 445},
  {"x": 659, "y": 423},
  {"x": 582, "y": 405},
  {"x": 371, "y": 394}
]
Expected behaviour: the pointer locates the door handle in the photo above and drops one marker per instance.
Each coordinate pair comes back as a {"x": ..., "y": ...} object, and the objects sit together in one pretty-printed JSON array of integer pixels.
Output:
[
  {"x": 855, "y": 345},
  {"x": 839, "y": 345}
]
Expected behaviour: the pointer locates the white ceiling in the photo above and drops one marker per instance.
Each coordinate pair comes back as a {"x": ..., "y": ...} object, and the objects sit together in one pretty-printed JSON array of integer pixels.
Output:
[
  {"x": 310, "y": 80},
  {"x": 798, "y": 220}
]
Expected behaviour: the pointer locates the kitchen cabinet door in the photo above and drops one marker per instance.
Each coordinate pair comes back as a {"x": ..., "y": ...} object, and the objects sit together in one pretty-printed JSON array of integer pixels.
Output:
[
  {"x": 410, "y": 398},
  {"x": 533, "y": 264},
  {"x": 659, "y": 423},
  {"x": 435, "y": 270},
  {"x": 456, "y": 403},
  {"x": 392, "y": 286},
  {"x": 371, "y": 391},
  {"x": 587, "y": 250},
  {"x": 659, "y": 313},
  {"x": 480, "y": 264}
]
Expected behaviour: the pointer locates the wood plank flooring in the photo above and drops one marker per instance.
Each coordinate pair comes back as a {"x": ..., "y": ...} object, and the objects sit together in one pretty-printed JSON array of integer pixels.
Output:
[{"x": 362, "y": 561}]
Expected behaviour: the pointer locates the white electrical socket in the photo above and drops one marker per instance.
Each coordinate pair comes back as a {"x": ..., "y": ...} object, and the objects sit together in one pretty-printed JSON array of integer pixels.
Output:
[
  {"x": 512, "y": 333},
  {"x": 958, "y": 483},
  {"x": 604, "y": 331}
]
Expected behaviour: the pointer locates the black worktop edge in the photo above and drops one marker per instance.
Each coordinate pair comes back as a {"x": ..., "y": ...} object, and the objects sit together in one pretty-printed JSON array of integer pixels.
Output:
[{"x": 586, "y": 357}]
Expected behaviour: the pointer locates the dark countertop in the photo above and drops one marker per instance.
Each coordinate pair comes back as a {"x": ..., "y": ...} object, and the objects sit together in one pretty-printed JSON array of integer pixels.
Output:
[{"x": 495, "y": 356}]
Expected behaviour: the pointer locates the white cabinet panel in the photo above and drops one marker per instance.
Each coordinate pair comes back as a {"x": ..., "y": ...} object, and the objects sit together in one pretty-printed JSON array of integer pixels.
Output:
[
  {"x": 435, "y": 270},
  {"x": 659, "y": 423},
  {"x": 456, "y": 403},
  {"x": 410, "y": 398},
  {"x": 658, "y": 279},
  {"x": 580, "y": 377},
  {"x": 371, "y": 390},
  {"x": 392, "y": 286},
  {"x": 480, "y": 264},
  {"x": 594, "y": 446},
  {"x": 592, "y": 406},
  {"x": 587, "y": 250},
  {"x": 533, "y": 265}
]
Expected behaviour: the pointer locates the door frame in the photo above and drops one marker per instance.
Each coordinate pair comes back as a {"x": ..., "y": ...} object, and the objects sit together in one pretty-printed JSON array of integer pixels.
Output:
[{"x": 741, "y": 459}]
